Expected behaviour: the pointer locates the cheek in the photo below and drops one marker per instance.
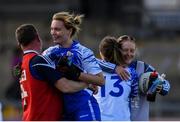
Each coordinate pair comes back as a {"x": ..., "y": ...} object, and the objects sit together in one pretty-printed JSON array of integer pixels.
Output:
[
  {"x": 133, "y": 55},
  {"x": 124, "y": 54}
]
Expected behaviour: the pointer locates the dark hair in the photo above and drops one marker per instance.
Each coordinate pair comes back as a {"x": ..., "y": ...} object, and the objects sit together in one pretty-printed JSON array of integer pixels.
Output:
[
  {"x": 110, "y": 49},
  {"x": 25, "y": 34}
]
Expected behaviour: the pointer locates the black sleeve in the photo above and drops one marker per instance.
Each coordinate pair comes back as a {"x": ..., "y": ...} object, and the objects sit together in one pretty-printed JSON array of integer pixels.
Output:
[{"x": 41, "y": 69}]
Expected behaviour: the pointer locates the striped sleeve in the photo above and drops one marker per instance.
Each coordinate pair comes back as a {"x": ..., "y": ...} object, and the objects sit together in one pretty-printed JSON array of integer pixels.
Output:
[
  {"x": 106, "y": 66},
  {"x": 134, "y": 85}
]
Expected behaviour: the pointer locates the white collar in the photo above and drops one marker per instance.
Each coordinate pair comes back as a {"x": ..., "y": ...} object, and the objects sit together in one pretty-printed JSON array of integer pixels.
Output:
[{"x": 29, "y": 51}]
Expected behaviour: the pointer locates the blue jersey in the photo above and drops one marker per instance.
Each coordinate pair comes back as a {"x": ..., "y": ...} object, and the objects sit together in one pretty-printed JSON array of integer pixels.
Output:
[
  {"x": 116, "y": 95},
  {"x": 85, "y": 60},
  {"x": 142, "y": 113}
]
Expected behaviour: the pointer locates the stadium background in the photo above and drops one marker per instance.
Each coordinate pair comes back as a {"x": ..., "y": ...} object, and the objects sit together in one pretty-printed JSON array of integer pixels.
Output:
[{"x": 154, "y": 23}]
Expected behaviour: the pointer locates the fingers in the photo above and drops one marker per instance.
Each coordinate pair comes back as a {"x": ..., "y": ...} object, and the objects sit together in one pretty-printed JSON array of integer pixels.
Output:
[
  {"x": 159, "y": 88},
  {"x": 122, "y": 73},
  {"x": 94, "y": 88},
  {"x": 163, "y": 75},
  {"x": 124, "y": 77}
]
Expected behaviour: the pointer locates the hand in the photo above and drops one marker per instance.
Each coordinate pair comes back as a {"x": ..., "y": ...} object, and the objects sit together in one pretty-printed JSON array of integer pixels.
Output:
[
  {"x": 122, "y": 73},
  {"x": 93, "y": 88},
  {"x": 159, "y": 88},
  {"x": 16, "y": 71},
  {"x": 70, "y": 71}
]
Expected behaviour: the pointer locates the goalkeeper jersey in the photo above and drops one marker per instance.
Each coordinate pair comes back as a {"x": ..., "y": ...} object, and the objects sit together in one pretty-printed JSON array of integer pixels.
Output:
[
  {"x": 114, "y": 97},
  {"x": 142, "y": 112},
  {"x": 85, "y": 60}
]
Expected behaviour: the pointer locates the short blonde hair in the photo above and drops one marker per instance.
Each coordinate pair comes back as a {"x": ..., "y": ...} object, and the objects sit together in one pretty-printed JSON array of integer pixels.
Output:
[
  {"x": 70, "y": 21},
  {"x": 124, "y": 38}
]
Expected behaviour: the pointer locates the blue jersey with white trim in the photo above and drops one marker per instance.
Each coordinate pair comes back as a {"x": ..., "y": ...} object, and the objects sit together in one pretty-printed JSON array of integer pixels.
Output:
[
  {"x": 114, "y": 96},
  {"x": 85, "y": 60}
]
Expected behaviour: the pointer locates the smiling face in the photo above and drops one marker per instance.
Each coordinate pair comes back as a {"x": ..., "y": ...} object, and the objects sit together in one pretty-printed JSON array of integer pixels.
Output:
[
  {"x": 128, "y": 51},
  {"x": 60, "y": 34}
]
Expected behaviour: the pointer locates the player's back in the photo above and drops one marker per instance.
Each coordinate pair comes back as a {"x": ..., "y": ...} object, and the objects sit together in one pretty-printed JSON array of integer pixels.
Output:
[
  {"x": 37, "y": 95},
  {"x": 113, "y": 98}
]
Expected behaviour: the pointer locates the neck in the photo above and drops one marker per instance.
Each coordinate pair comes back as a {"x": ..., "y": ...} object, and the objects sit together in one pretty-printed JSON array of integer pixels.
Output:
[
  {"x": 67, "y": 44},
  {"x": 28, "y": 48},
  {"x": 32, "y": 46}
]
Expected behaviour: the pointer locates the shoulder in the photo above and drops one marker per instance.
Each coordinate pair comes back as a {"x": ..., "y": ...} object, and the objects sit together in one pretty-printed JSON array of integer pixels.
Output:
[
  {"x": 81, "y": 47},
  {"x": 138, "y": 63},
  {"x": 39, "y": 59},
  {"x": 50, "y": 50},
  {"x": 135, "y": 62}
]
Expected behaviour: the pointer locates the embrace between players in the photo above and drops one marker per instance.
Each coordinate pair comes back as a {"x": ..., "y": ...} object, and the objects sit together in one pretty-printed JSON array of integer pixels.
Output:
[{"x": 63, "y": 82}]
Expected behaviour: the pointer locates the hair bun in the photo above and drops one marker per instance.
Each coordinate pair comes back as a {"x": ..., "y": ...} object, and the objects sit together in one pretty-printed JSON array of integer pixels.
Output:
[{"x": 78, "y": 19}]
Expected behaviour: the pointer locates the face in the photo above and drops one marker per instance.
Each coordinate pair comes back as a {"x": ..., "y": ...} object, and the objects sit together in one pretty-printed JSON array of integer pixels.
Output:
[
  {"x": 128, "y": 51},
  {"x": 59, "y": 32}
]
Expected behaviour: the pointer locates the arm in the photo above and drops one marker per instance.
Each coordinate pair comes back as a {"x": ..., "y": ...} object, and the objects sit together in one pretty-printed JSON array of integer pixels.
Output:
[
  {"x": 73, "y": 72},
  {"x": 163, "y": 88},
  {"x": 97, "y": 79},
  {"x": 106, "y": 66},
  {"x": 69, "y": 86},
  {"x": 93, "y": 73},
  {"x": 42, "y": 70},
  {"x": 111, "y": 68}
]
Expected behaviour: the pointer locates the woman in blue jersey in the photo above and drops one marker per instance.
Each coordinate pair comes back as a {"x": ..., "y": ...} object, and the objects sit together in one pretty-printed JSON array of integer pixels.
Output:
[
  {"x": 64, "y": 27},
  {"x": 114, "y": 97},
  {"x": 128, "y": 48}
]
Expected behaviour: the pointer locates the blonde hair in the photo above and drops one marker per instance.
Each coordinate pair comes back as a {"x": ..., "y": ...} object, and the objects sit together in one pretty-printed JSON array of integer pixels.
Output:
[
  {"x": 125, "y": 38},
  {"x": 70, "y": 21}
]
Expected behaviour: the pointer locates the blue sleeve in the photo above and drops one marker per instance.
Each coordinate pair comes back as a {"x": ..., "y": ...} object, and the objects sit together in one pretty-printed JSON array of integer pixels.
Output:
[
  {"x": 106, "y": 66},
  {"x": 52, "y": 54},
  {"x": 89, "y": 62},
  {"x": 41, "y": 69}
]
